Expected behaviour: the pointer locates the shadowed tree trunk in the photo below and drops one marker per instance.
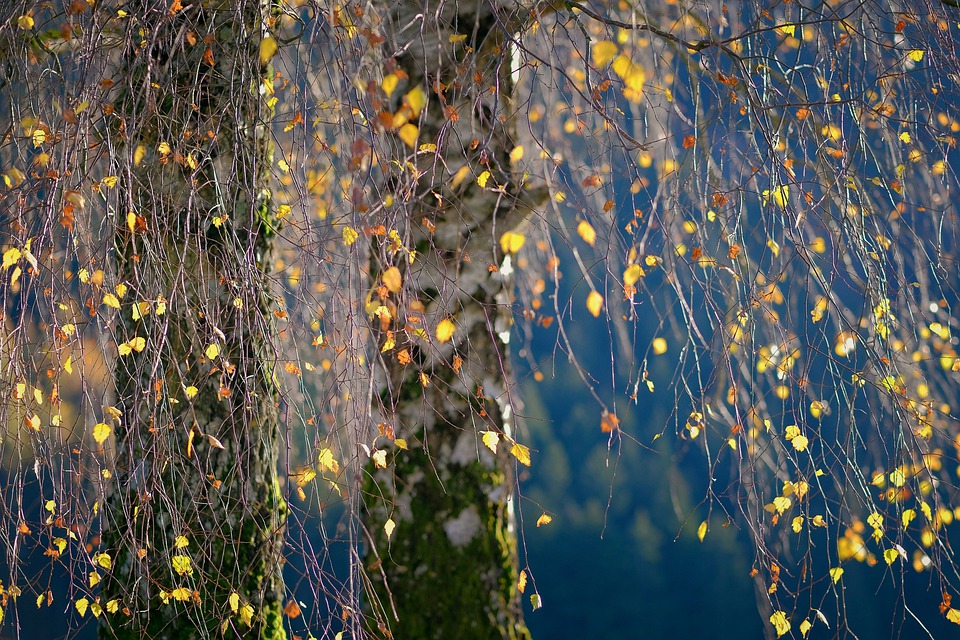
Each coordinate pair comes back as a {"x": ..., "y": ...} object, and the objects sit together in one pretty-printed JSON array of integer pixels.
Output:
[
  {"x": 193, "y": 520},
  {"x": 449, "y": 569}
]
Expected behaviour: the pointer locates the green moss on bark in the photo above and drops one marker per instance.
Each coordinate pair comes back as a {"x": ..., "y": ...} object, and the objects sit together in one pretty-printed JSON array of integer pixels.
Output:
[{"x": 440, "y": 589}]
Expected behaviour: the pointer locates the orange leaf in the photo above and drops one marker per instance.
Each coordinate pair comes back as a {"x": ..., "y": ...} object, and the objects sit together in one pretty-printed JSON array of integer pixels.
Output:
[{"x": 609, "y": 422}]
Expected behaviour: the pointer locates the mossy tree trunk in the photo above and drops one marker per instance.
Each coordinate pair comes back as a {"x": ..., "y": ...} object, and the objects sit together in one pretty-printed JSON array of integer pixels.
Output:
[
  {"x": 193, "y": 517},
  {"x": 449, "y": 569}
]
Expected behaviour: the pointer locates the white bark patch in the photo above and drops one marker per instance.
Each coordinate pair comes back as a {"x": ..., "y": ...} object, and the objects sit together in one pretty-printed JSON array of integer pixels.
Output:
[
  {"x": 466, "y": 451},
  {"x": 464, "y": 528}
]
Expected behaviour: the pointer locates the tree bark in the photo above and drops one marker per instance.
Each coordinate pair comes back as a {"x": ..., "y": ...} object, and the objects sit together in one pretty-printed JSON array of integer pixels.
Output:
[
  {"x": 193, "y": 521},
  {"x": 450, "y": 568}
]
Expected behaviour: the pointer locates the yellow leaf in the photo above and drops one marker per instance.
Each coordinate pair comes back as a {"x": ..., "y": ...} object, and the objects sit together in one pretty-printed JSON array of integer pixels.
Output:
[
  {"x": 891, "y": 555},
  {"x": 111, "y": 300},
  {"x": 109, "y": 181},
  {"x": 659, "y": 346},
  {"x": 327, "y": 462},
  {"x": 805, "y": 628},
  {"x": 780, "y": 623},
  {"x": 544, "y": 519},
  {"x": 787, "y": 29},
  {"x": 483, "y": 178},
  {"x": 104, "y": 560},
  {"x": 800, "y": 443},
  {"x": 389, "y": 84},
  {"x": 953, "y": 615},
  {"x": 632, "y": 74},
  {"x": 401, "y": 443},
  {"x": 586, "y": 231},
  {"x": 33, "y": 422},
  {"x": 388, "y": 527},
  {"x": 25, "y": 22},
  {"x": 445, "y": 330},
  {"x": 702, "y": 530},
  {"x": 456, "y": 37},
  {"x": 916, "y": 55},
  {"x": 797, "y": 524},
  {"x": 595, "y": 304},
  {"x": 408, "y": 133},
  {"x": 350, "y": 236},
  {"x": 512, "y": 242},
  {"x": 101, "y": 431},
  {"x": 392, "y": 280},
  {"x": 11, "y": 257},
  {"x": 416, "y": 99},
  {"x": 68, "y": 365},
  {"x": 632, "y": 274},
  {"x": 835, "y": 574},
  {"x": 182, "y": 565},
  {"x": 490, "y": 440},
  {"x": 380, "y": 459},
  {"x": 905, "y": 137},
  {"x": 82, "y": 605},
  {"x": 522, "y": 581},
  {"x": 780, "y": 196},
  {"x": 94, "y": 579},
  {"x": 137, "y": 344},
  {"x": 138, "y": 155},
  {"x": 212, "y": 351},
  {"x": 182, "y": 594},
  {"x": 164, "y": 148},
  {"x": 268, "y": 48},
  {"x": 113, "y": 606},
  {"x": 181, "y": 542},
  {"x": 283, "y": 211},
  {"x": 234, "y": 601},
  {"x": 516, "y": 155},
  {"x": 603, "y": 52},
  {"x": 191, "y": 391},
  {"x": 521, "y": 453},
  {"x": 907, "y": 517},
  {"x": 781, "y": 504},
  {"x": 39, "y": 137}
]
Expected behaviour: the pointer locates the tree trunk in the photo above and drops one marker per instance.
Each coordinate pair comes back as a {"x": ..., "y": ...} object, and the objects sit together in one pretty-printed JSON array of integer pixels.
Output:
[
  {"x": 193, "y": 521},
  {"x": 449, "y": 569}
]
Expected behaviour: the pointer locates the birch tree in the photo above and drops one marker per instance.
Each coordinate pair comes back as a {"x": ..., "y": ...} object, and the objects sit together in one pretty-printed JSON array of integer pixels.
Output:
[{"x": 265, "y": 262}]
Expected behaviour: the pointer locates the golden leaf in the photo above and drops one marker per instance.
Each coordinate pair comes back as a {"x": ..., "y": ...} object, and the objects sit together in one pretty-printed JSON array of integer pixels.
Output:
[
  {"x": 408, "y": 133},
  {"x": 350, "y": 236},
  {"x": 780, "y": 623},
  {"x": 111, "y": 300},
  {"x": 595, "y": 304},
  {"x": 544, "y": 519},
  {"x": 416, "y": 99},
  {"x": 101, "y": 431},
  {"x": 603, "y": 52},
  {"x": 445, "y": 330},
  {"x": 388, "y": 527},
  {"x": 268, "y": 48},
  {"x": 702, "y": 530},
  {"x": 483, "y": 178},
  {"x": 521, "y": 453},
  {"x": 392, "y": 279},
  {"x": 587, "y": 232},
  {"x": 389, "y": 84},
  {"x": 490, "y": 440},
  {"x": 212, "y": 351},
  {"x": 632, "y": 274},
  {"x": 512, "y": 242}
]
